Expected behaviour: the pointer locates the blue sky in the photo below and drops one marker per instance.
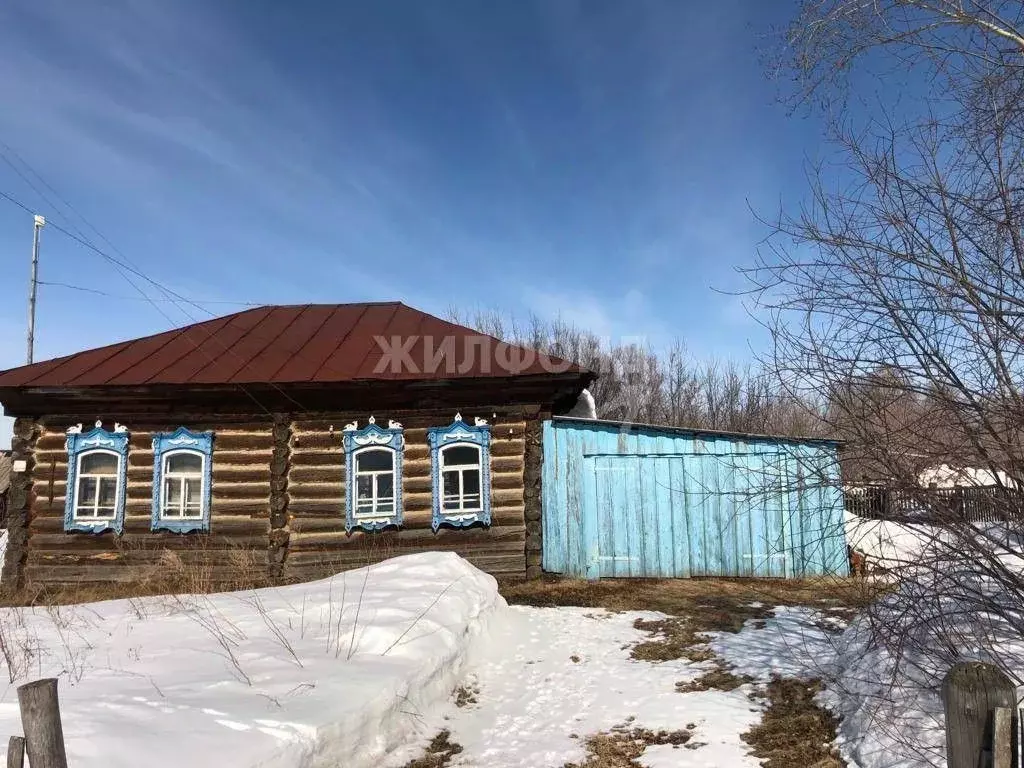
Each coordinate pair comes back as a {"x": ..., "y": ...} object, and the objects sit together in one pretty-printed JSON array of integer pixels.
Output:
[{"x": 592, "y": 160}]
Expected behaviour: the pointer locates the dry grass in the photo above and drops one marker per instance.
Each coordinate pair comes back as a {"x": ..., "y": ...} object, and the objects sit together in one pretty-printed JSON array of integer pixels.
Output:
[
  {"x": 439, "y": 752},
  {"x": 794, "y": 730},
  {"x": 196, "y": 568},
  {"x": 716, "y": 599},
  {"x": 695, "y": 606},
  {"x": 621, "y": 746},
  {"x": 465, "y": 695},
  {"x": 719, "y": 678}
]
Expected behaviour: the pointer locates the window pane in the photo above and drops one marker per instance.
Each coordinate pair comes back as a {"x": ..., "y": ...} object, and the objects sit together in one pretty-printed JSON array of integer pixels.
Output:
[
  {"x": 385, "y": 507},
  {"x": 193, "y": 495},
  {"x": 99, "y": 464},
  {"x": 373, "y": 461},
  {"x": 108, "y": 491},
  {"x": 385, "y": 486},
  {"x": 461, "y": 454},
  {"x": 185, "y": 463},
  {"x": 86, "y": 492},
  {"x": 364, "y": 508},
  {"x": 450, "y": 490},
  {"x": 364, "y": 487},
  {"x": 105, "y": 512},
  {"x": 471, "y": 482},
  {"x": 172, "y": 496}
]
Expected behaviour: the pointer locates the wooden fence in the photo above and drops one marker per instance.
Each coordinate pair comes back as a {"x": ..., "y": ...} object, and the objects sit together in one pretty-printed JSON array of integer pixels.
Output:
[{"x": 973, "y": 504}]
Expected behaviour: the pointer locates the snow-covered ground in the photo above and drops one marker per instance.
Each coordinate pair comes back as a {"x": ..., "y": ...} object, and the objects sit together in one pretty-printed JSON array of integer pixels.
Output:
[
  {"x": 887, "y": 544},
  {"x": 331, "y": 673},
  {"x": 553, "y": 676},
  {"x": 885, "y": 683},
  {"x": 359, "y": 670}
]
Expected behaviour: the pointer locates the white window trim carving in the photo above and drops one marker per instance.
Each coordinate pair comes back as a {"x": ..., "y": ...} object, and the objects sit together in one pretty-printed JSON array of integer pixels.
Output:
[
  {"x": 356, "y": 440},
  {"x": 79, "y": 444}
]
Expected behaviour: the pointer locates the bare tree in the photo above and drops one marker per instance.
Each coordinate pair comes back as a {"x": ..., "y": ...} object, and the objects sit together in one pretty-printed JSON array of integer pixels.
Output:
[
  {"x": 898, "y": 292},
  {"x": 955, "y": 43},
  {"x": 637, "y": 383}
]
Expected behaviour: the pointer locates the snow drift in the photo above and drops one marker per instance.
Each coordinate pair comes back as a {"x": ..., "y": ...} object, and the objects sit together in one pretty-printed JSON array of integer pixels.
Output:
[{"x": 330, "y": 673}]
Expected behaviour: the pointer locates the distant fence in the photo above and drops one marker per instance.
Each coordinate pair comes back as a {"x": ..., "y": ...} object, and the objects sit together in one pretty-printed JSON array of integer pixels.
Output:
[{"x": 973, "y": 504}]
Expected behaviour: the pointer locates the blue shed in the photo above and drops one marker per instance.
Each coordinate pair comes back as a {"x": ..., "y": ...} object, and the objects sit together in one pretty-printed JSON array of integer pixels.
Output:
[{"x": 622, "y": 499}]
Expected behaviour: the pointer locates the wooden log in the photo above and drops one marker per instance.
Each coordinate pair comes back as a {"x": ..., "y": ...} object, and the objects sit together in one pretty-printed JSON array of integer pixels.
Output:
[
  {"x": 300, "y": 458},
  {"x": 86, "y": 543},
  {"x": 40, "y": 719},
  {"x": 233, "y": 520},
  {"x": 298, "y": 556},
  {"x": 1002, "y": 737},
  {"x": 16, "y": 752},
  {"x": 122, "y": 574},
  {"x": 971, "y": 691},
  {"x": 419, "y": 537},
  {"x": 502, "y": 570}
]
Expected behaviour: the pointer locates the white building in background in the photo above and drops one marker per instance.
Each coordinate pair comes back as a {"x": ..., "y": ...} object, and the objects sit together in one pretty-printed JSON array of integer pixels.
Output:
[{"x": 948, "y": 476}]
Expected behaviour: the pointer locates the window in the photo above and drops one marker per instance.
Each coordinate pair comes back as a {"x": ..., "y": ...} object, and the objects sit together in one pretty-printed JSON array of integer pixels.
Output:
[
  {"x": 460, "y": 478},
  {"x": 460, "y": 456},
  {"x": 373, "y": 466},
  {"x": 183, "y": 485},
  {"x": 94, "y": 499},
  {"x": 375, "y": 482},
  {"x": 181, "y": 480},
  {"x": 96, "y": 494}
]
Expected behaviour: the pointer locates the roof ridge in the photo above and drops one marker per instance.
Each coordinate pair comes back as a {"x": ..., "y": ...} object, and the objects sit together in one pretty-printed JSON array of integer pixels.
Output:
[{"x": 95, "y": 367}]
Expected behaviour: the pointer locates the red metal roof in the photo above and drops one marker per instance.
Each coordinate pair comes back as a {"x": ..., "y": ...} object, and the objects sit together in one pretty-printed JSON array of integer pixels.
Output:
[{"x": 312, "y": 343}]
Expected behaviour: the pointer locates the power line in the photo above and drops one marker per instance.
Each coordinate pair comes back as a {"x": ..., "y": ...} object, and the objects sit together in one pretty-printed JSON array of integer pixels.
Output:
[
  {"x": 167, "y": 292},
  {"x": 177, "y": 298},
  {"x": 124, "y": 264},
  {"x": 98, "y": 292}
]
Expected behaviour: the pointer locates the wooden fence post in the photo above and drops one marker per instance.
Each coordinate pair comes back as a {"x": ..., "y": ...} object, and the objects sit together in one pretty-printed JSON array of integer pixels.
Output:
[
  {"x": 1003, "y": 742},
  {"x": 16, "y": 752},
  {"x": 40, "y": 719},
  {"x": 971, "y": 691}
]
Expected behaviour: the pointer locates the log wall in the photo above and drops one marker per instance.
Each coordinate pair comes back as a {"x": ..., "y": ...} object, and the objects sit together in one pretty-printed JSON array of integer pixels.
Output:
[
  {"x": 317, "y": 541},
  {"x": 278, "y": 503},
  {"x": 237, "y": 543}
]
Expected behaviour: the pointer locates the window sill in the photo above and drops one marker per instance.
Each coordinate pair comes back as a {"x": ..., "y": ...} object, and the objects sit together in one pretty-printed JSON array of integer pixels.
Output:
[
  {"x": 373, "y": 523},
  {"x": 93, "y": 526},
  {"x": 181, "y": 526},
  {"x": 461, "y": 519}
]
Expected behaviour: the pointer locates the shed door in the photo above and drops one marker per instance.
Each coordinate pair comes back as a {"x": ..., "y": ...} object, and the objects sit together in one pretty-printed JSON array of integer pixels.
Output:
[{"x": 687, "y": 515}]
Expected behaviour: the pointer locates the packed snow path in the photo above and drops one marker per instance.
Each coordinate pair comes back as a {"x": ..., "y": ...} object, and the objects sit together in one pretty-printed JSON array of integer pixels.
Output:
[{"x": 549, "y": 677}]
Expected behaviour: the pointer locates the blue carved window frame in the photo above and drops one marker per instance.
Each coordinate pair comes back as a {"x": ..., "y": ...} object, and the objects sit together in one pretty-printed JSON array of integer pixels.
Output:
[
  {"x": 460, "y": 433},
  {"x": 97, "y": 440},
  {"x": 166, "y": 444},
  {"x": 372, "y": 436}
]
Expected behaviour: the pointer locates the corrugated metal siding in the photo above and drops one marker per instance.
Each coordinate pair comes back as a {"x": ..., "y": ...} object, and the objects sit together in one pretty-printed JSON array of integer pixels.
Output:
[{"x": 641, "y": 501}]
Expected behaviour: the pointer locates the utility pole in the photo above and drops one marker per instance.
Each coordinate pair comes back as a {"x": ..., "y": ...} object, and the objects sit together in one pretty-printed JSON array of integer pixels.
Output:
[{"x": 40, "y": 222}]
